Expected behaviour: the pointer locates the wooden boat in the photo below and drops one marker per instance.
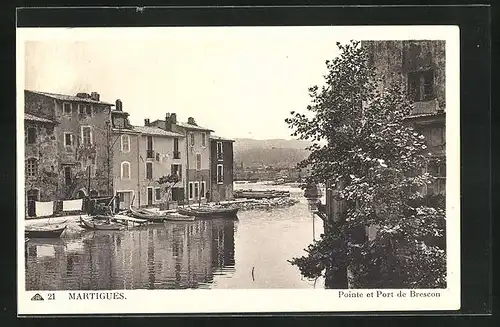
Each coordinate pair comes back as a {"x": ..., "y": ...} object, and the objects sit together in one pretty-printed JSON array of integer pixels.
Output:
[
  {"x": 44, "y": 232},
  {"x": 98, "y": 226},
  {"x": 209, "y": 211},
  {"x": 258, "y": 194},
  {"x": 146, "y": 214},
  {"x": 175, "y": 216},
  {"x": 125, "y": 220}
]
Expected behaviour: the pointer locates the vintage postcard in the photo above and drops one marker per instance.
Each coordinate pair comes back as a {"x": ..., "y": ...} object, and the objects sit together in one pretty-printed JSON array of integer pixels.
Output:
[{"x": 238, "y": 169}]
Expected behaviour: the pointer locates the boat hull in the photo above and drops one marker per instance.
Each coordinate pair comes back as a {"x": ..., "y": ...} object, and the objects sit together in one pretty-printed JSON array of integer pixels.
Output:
[
  {"x": 93, "y": 226},
  {"x": 152, "y": 217},
  {"x": 208, "y": 214},
  {"x": 179, "y": 217},
  {"x": 48, "y": 233}
]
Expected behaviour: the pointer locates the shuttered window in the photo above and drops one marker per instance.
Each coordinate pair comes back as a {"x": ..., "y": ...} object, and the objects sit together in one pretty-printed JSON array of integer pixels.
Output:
[{"x": 149, "y": 170}]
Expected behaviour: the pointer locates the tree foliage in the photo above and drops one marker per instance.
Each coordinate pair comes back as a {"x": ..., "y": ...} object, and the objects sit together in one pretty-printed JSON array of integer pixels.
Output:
[{"x": 361, "y": 140}]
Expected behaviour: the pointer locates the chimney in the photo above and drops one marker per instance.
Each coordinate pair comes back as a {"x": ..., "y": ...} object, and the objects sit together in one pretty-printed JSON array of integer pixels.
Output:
[
  {"x": 95, "y": 96},
  {"x": 119, "y": 105},
  {"x": 168, "y": 122},
  {"x": 173, "y": 118},
  {"x": 83, "y": 95},
  {"x": 191, "y": 121},
  {"x": 146, "y": 122}
]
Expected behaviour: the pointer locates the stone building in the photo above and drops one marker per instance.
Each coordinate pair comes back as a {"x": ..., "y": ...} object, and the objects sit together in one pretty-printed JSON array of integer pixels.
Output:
[
  {"x": 419, "y": 68},
  {"x": 197, "y": 155},
  {"x": 221, "y": 169},
  {"x": 70, "y": 138},
  {"x": 40, "y": 158}
]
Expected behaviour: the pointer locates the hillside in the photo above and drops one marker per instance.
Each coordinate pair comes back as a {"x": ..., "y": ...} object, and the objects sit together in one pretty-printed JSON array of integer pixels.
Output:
[{"x": 274, "y": 152}]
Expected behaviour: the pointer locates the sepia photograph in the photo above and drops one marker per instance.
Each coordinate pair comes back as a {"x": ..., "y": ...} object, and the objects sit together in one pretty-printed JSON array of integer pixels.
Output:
[{"x": 239, "y": 158}]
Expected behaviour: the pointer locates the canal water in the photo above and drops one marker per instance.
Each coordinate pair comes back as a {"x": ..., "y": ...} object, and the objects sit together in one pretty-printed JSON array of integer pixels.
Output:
[{"x": 248, "y": 252}]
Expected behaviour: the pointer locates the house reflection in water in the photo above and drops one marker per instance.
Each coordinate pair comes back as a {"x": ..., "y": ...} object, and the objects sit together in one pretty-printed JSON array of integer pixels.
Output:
[{"x": 164, "y": 256}]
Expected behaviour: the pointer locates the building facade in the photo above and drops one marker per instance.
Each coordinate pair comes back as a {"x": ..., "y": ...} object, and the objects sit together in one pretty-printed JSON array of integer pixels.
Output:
[
  {"x": 419, "y": 68},
  {"x": 197, "y": 155},
  {"x": 221, "y": 169},
  {"x": 141, "y": 155},
  {"x": 66, "y": 150},
  {"x": 41, "y": 164}
]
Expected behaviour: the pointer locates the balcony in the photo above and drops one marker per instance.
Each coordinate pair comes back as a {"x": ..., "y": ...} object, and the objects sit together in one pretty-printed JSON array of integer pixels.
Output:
[
  {"x": 150, "y": 154},
  {"x": 220, "y": 156},
  {"x": 177, "y": 154}
]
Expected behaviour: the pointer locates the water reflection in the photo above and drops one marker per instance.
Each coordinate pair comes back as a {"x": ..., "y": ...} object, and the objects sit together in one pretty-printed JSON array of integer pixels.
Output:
[
  {"x": 164, "y": 256},
  {"x": 249, "y": 253}
]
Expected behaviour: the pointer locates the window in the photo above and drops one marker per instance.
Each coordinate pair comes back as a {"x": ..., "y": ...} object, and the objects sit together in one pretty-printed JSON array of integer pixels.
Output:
[
  {"x": 198, "y": 161},
  {"x": 438, "y": 170},
  {"x": 203, "y": 189},
  {"x": 176, "y": 169},
  {"x": 125, "y": 170},
  {"x": 220, "y": 174},
  {"x": 31, "y": 135},
  {"x": 219, "y": 151},
  {"x": 157, "y": 194},
  {"x": 157, "y": 157},
  {"x": 421, "y": 85},
  {"x": 177, "y": 154},
  {"x": 32, "y": 167},
  {"x": 125, "y": 143},
  {"x": 192, "y": 138},
  {"x": 149, "y": 170},
  {"x": 196, "y": 190},
  {"x": 67, "y": 175},
  {"x": 85, "y": 109},
  {"x": 86, "y": 135},
  {"x": 203, "y": 139},
  {"x": 67, "y": 108},
  {"x": 68, "y": 139},
  {"x": 190, "y": 190}
]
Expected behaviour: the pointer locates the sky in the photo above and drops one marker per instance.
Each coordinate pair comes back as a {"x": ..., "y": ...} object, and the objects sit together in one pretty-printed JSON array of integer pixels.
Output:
[{"x": 240, "y": 82}]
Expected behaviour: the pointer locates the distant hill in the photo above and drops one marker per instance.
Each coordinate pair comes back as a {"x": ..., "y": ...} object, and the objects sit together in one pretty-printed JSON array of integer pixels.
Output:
[{"x": 273, "y": 152}]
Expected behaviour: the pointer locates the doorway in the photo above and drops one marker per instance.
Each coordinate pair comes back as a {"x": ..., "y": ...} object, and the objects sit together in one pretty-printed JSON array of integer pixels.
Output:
[
  {"x": 150, "y": 196},
  {"x": 32, "y": 197},
  {"x": 125, "y": 199}
]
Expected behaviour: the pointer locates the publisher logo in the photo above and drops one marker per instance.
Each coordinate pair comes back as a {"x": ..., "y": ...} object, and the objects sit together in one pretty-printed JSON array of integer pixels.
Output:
[{"x": 37, "y": 297}]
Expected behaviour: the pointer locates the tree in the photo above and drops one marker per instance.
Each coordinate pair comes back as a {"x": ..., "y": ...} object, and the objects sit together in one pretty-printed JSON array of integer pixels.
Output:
[
  {"x": 168, "y": 182},
  {"x": 363, "y": 147}
]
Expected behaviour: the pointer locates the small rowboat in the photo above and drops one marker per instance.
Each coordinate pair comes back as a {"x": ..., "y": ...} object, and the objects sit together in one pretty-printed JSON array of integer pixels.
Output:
[
  {"x": 99, "y": 225},
  {"x": 207, "y": 212},
  {"x": 44, "y": 232},
  {"x": 174, "y": 216},
  {"x": 147, "y": 215}
]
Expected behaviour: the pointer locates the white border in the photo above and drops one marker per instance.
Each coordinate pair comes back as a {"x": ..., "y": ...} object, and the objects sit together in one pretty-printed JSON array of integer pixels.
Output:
[{"x": 231, "y": 301}]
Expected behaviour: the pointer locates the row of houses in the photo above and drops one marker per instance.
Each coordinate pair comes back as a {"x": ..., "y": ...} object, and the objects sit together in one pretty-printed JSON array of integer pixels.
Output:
[{"x": 78, "y": 146}]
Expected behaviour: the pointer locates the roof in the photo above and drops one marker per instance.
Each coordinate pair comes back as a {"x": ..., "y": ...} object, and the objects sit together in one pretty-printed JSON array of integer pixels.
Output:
[
  {"x": 37, "y": 119},
  {"x": 119, "y": 112},
  {"x": 195, "y": 127},
  {"x": 186, "y": 125},
  {"x": 65, "y": 97},
  {"x": 215, "y": 137},
  {"x": 155, "y": 131}
]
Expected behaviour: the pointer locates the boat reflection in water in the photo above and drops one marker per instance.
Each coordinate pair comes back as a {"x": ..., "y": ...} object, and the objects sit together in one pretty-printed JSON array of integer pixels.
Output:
[
  {"x": 252, "y": 252},
  {"x": 173, "y": 255}
]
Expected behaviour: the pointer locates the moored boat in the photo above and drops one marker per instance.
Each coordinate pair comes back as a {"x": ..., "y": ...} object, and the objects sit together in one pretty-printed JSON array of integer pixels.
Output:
[
  {"x": 175, "y": 216},
  {"x": 206, "y": 212},
  {"x": 146, "y": 214},
  {"x": 44, "y": 232},
  {"x": 101, "y": 225}
]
